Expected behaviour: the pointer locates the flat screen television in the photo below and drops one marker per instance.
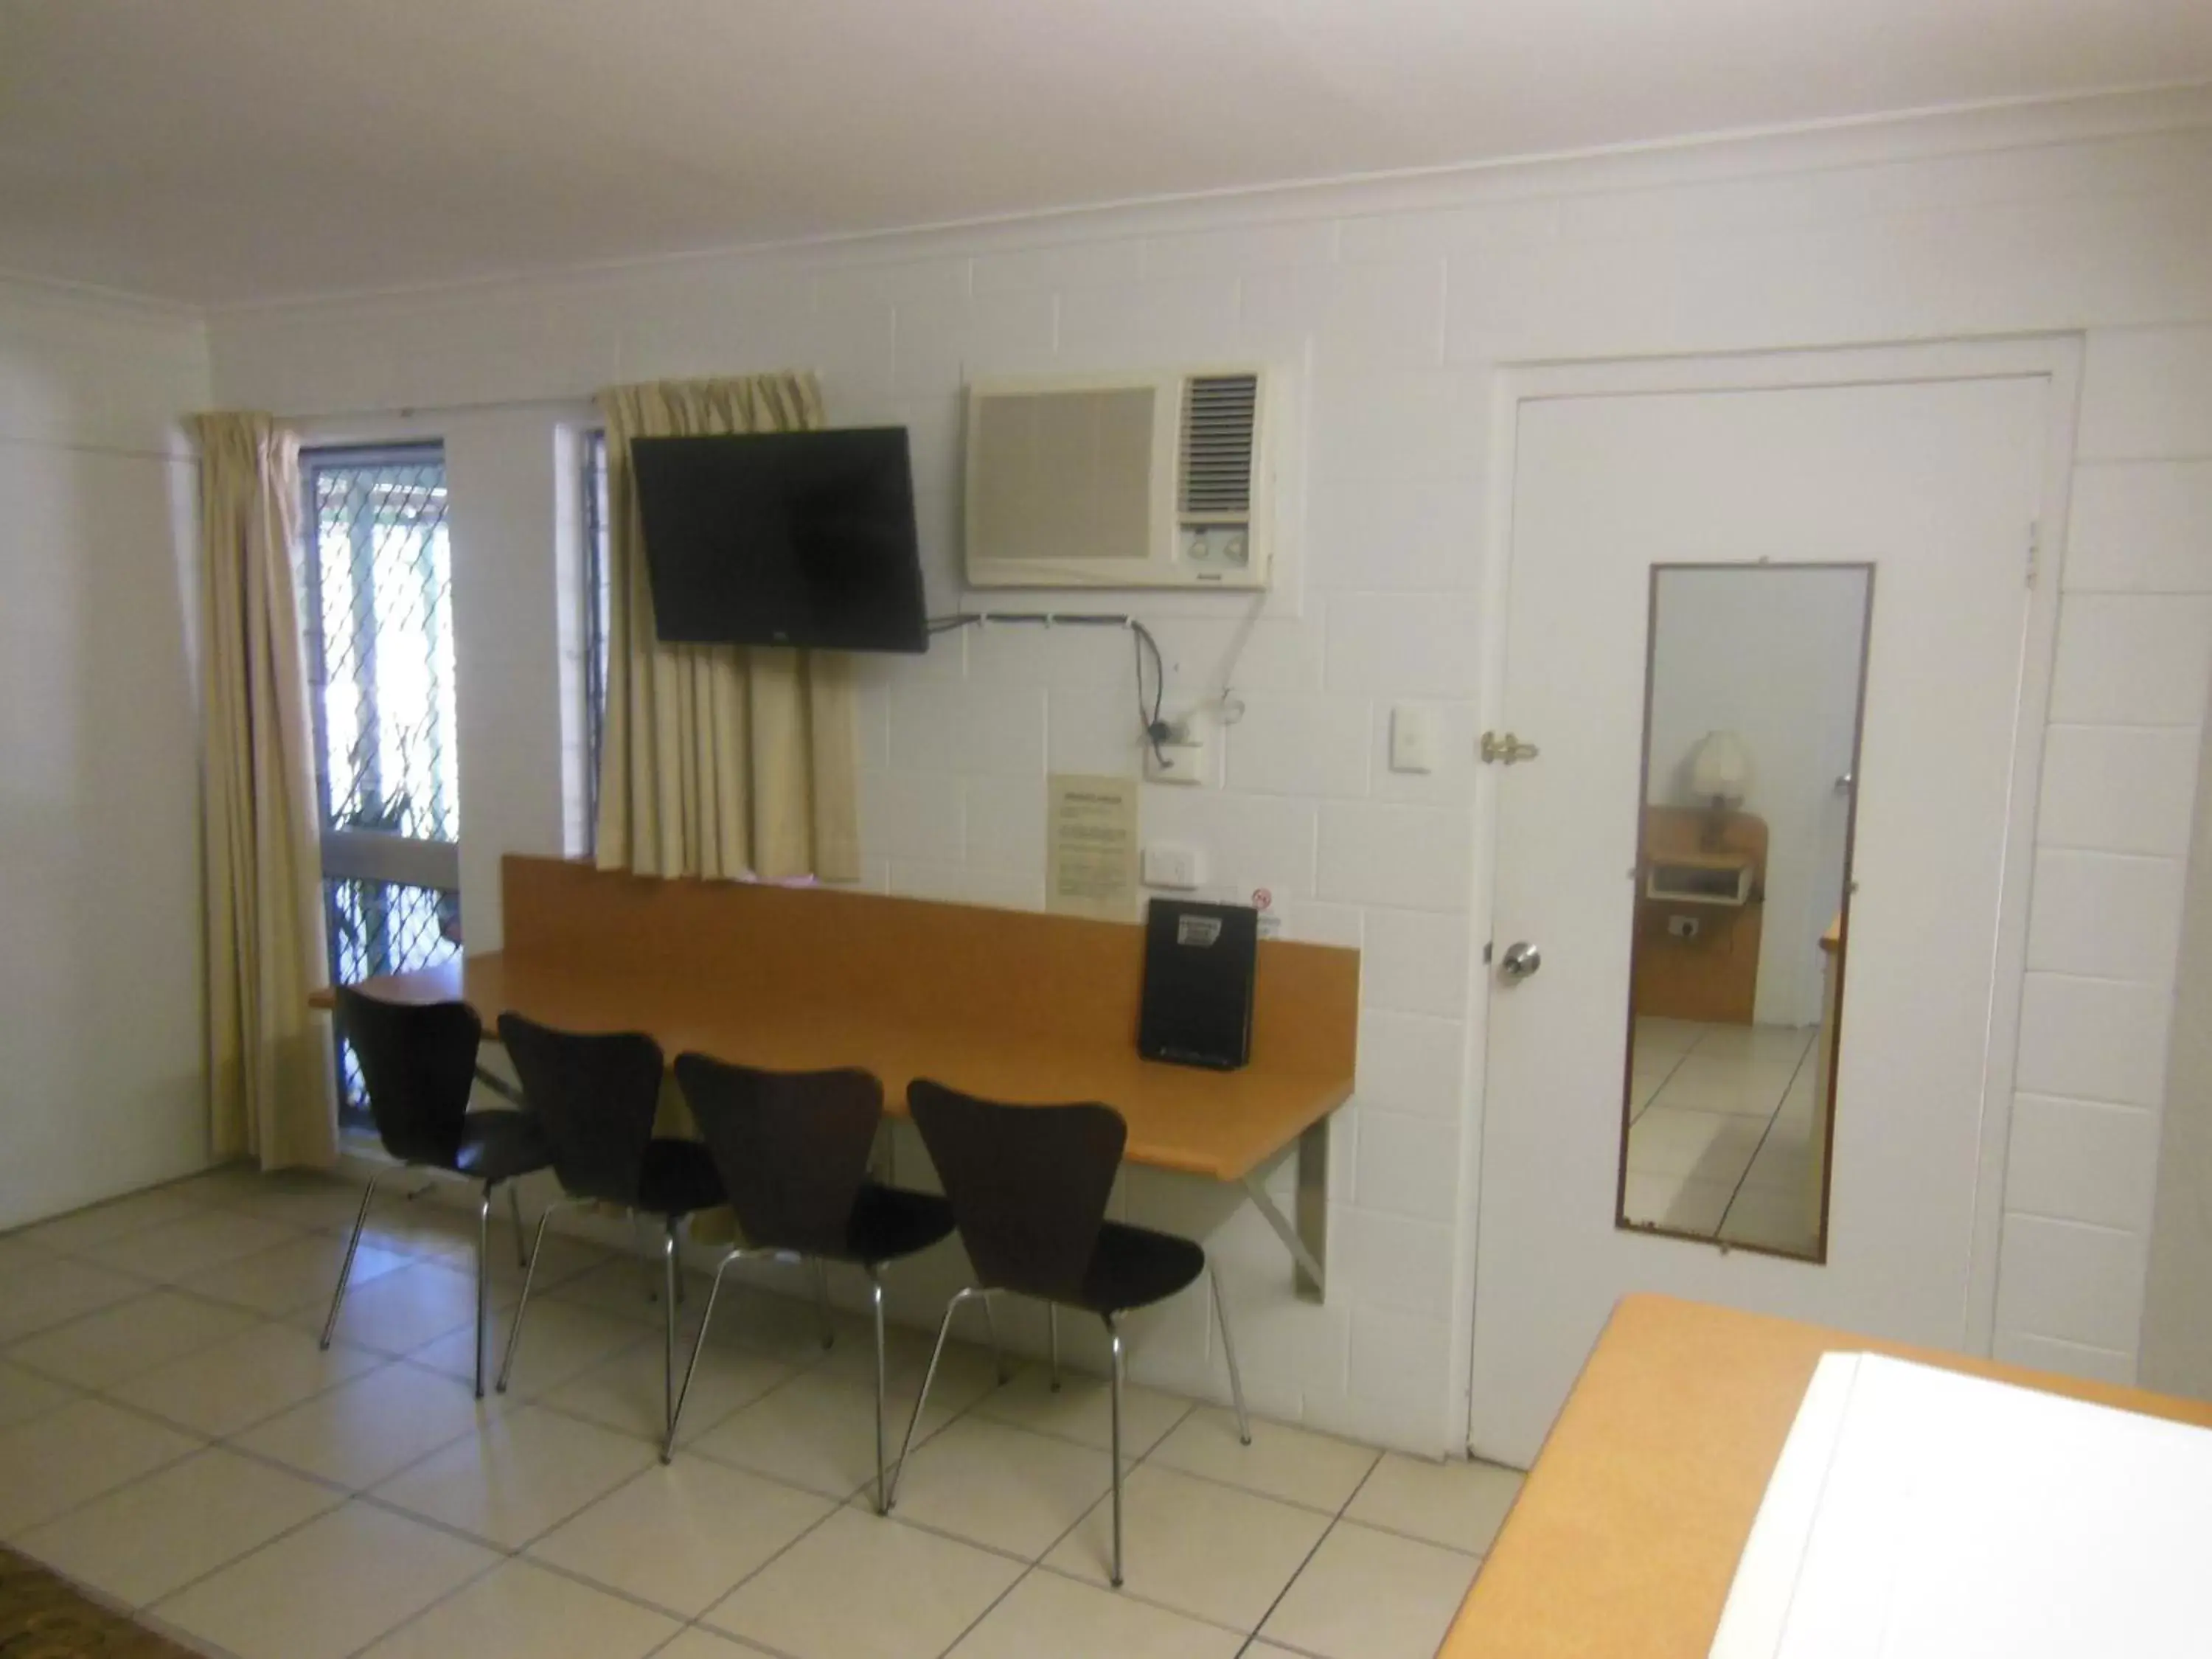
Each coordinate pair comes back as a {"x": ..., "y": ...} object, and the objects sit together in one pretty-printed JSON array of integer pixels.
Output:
[{"x": 803, "y": 538}]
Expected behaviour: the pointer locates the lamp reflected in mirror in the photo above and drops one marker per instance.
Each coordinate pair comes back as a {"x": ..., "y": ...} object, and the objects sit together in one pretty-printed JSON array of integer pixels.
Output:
[{"x": 1755, "y": 685}]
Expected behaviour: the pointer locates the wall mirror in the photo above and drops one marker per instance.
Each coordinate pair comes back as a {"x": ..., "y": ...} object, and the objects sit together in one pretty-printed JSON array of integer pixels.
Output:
[{"x": 1754, "y": 689}]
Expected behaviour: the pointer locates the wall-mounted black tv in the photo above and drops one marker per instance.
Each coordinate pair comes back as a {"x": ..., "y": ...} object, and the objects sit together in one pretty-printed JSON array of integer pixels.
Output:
[{"x": 803, "y": 538}]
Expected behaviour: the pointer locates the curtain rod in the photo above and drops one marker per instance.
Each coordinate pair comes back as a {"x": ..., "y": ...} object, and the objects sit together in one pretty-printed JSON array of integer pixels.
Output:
[{"x": 414, "y": 412}]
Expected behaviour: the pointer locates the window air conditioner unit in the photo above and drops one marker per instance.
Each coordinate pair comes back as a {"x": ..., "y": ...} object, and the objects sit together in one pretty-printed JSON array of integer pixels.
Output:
[{"x": 1121, "y": 481}]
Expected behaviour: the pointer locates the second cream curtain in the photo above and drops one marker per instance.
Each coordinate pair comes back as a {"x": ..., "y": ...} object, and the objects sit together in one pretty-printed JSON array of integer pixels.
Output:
[{"x": 716, "y": 760}]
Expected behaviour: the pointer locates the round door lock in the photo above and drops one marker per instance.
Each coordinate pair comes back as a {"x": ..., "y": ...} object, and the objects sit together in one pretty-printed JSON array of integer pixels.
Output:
[{"x": 1521, "y": 960}]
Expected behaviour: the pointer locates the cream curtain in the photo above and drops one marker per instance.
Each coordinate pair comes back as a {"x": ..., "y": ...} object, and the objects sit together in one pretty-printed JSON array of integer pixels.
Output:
[
  {"x": 716, "y": 760},
  {"x": 268, "y": 1059}
]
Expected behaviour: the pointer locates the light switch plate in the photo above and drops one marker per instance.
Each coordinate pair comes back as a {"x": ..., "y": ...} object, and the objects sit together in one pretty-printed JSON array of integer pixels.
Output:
[
  {"x": 1170, "y": 864},
  {"x": 1413, "y": 738}
]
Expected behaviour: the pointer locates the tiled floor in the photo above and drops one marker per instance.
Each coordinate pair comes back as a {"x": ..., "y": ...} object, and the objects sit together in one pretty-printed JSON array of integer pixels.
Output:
[
  {"x": 1719, "y": 1118},
  {"x": 171, "y": 1438}
]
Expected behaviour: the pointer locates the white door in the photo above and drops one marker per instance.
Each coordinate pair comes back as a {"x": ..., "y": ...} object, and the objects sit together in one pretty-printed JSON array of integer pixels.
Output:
[{"x": 1935, "y": 485}]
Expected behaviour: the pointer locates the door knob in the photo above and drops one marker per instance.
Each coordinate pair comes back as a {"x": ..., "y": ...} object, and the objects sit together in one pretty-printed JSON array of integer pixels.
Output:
[{"x": 1521, "y": 960}]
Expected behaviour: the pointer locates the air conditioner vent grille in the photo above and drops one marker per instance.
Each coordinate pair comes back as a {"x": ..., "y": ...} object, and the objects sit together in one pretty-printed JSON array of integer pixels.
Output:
[{"x": 1220, "y": 414}]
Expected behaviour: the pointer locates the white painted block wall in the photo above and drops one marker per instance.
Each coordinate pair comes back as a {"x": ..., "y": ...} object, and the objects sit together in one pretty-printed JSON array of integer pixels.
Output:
[
  {"x": 100, "y": 860},
  {"x": 1393, "y": 304}
]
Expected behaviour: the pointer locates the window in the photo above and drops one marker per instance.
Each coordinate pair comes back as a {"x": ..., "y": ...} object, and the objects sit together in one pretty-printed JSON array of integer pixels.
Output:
[
  {"x": 376, "y": 590},
  {"x": 593, "y": 603}
]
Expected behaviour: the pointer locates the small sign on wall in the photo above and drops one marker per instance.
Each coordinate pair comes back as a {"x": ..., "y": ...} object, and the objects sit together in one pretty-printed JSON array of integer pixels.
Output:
[{"x": 1090, "y": 846}]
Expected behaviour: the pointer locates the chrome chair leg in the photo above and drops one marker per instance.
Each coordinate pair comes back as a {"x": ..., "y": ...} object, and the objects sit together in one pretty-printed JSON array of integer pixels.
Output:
[
  {"x": 921, "y": 1399},
  {"x": 484, "y": 1278},
  {"x": 668, "y": 1326},
  {"x": 876, "y": 1298},
  {"x": 822, "y": 1301},
  {"x": 1114, "y": 1340},
  {"x": 514, "y": 1210},
  {"x": 1052, "y": 1340},
  {"x": 529, "y": 1276},
  {"x": 698, "y": 1344},
  {"x": 345, "y": 1268},
  {"x": 1228, "y": 1354}
]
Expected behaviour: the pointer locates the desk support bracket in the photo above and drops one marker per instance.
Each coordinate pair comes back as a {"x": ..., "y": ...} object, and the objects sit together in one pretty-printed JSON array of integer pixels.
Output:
[{"x": 1307, "y": 1237}]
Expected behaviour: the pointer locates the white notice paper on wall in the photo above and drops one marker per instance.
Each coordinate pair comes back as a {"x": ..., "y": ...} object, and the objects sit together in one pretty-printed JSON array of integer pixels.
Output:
[
  {"x": 1090, "y": 846},
  {"x": 1921, "y": 1514}
]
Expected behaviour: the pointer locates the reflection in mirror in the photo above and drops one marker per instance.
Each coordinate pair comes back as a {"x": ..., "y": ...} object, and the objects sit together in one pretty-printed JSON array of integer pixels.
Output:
[{"x": 1751, "y": 733}]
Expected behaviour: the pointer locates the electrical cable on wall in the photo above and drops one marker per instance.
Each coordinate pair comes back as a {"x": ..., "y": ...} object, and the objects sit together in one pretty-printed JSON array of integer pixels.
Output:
[{"x": 1156, "y": 730}]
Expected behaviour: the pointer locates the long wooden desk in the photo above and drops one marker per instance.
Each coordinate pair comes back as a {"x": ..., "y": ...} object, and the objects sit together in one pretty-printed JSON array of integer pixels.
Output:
[
  {"x": 1625, "y": 1538},
  {"x": 1006, "y": 1004}
]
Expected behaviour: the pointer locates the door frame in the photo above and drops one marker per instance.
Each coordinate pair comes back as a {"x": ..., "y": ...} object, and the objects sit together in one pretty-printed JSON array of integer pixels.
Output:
[{"x": 2055, "y": 358}]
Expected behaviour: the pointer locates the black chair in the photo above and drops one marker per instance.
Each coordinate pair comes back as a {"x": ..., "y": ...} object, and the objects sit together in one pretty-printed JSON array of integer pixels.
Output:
[
  {"x": 595, "y": 1096},
  {"x": 419, "y": 1061},
  {"x": 792, "y": 1148},
  {"x": 1029, "y": 1186}
]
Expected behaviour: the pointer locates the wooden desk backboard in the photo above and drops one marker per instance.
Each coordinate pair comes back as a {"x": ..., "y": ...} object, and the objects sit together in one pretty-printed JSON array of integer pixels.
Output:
[{"x": 1013, "y": 1003}]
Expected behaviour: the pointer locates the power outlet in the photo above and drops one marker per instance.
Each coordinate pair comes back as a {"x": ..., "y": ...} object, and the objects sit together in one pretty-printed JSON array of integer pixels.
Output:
[{"x": 1681, "y": 927}]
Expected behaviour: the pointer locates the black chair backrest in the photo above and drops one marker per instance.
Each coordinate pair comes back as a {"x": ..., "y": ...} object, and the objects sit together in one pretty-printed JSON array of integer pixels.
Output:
[
  {"x": 792, "y": 1147},
  {"x": 595, "y": 1095},
  {"x": 419, "y": 1061},
  {"x": 1028, "y": 1184}
]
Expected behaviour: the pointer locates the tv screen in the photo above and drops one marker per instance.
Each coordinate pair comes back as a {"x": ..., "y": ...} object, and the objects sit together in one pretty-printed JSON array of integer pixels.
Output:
[{"x": 783, "y": 539}]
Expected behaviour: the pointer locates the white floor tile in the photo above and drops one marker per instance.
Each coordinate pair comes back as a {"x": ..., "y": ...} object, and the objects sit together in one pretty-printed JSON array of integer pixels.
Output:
[
  {"x": 50, "y": 1464},
  {"x": 522, "y": 1473},
  {"x": 26, "y": 1395},
  {"x": 1743, "y": 1085},
  {"x": 296, "y": 1198},
  {"x": 965, "y": 1376},
  {"x": 1459, "y": 1504},
  {"x": 157, "y": 1535},
  {"x": 328, "y": 1588},
  {"x": 178, "y": 1250},
  {"x": 623, "y": 1392},
  {"x": 1002, "y": 1487},
  {"x": 1296, "y": 1465},
  {"x": 1046, "y": 1614},
  {"x": 698, "y": 1644},
  {"x": 861, "y": 1586},
  {"x": 102, "y": 1224},
  {"x": 1680, "y": 1204},
  {"x": 39, "y": 1295},
  {"x": 1779, "y": 1168},
  {"x": 299, "y": 1273},
  {"x": 818, "y": 1431},
  {"x": 400, "y": 1312},
  {"x": 1671, "y": 1141},
  {"x": 130, "y": 1337},
  {"x": 521, "y": 1609},
  {"x": 368, "y": 1429},
  {"x": 1774, "y": 1219},
  {"x": 1082, "y": 1410},
  {"x": 559, "y": 1342},
  {"x": 1370, "y": 1594},
  {"x": 617, "y": 1285},
  {"x": 243, "y": 1380},
  {"x": 682, "y": 1536},
  {"x": 1784, "y": 1044},
  {"x": 1206, "y": 1550}
]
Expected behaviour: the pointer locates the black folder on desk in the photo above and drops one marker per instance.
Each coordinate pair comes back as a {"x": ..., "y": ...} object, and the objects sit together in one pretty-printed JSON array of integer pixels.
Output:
[{"x": 1199, "y": 966}]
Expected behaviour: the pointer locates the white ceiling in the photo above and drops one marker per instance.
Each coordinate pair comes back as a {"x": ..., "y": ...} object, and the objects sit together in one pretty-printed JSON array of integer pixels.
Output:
[{"x": 221, "y": 151}]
